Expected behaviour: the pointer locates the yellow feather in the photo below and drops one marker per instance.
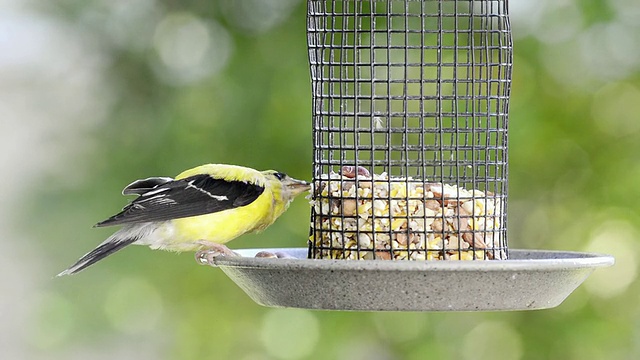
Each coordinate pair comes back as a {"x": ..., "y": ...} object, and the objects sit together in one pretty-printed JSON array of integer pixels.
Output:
[
  {"x": 222, "y": 226},
  {"x": 226, "y": 172}
]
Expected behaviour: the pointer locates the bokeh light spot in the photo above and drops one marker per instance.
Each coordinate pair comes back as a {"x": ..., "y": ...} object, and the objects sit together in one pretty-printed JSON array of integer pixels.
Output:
[
  {"x": 130, "y": 23},
  {"x": 617, "y": 238},
  {"x": 609, "y": 51},
  {"x": 257, "y": 16},
  {"x": 182, "y": 41},
  {"x": 615, "y": 109},
  {"x": 290, "y": 334},
  {"x": 563, "y": 62},
  {"x": 491, "y": 338},
  {"x": 362, "y": 348},
  {"x": 189, "y": 48},
  {"x": 133, "y": 306},
  {"x": 561, "y": 24},
  {"x": 399, "y": 327},
  {"x": 525, "y": 16},
  {"x": 53, "y": 321}
]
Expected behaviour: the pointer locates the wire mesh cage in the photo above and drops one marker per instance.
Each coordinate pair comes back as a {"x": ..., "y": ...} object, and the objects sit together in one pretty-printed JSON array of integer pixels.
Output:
[{"x": 410, "y": 115}]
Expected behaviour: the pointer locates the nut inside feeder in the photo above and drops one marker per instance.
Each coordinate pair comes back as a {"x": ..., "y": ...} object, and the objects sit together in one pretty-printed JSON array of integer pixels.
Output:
[{"x": 410, "y": 114}]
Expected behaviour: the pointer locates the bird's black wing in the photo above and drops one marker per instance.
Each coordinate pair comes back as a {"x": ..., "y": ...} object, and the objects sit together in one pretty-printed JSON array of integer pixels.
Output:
[{"x": 195, "y": 195}]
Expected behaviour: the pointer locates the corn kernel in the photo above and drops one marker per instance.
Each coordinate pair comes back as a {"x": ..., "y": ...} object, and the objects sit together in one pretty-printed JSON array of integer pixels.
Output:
[{"x": 396, "y": 224}]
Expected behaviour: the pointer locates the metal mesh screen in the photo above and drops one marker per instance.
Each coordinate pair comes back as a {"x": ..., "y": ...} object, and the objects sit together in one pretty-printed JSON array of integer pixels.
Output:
[{"x": 410, "y": 113}]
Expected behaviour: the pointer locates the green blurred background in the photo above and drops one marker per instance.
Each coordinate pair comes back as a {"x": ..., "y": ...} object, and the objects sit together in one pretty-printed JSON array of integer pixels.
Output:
[{"x": 95, "y": 94}]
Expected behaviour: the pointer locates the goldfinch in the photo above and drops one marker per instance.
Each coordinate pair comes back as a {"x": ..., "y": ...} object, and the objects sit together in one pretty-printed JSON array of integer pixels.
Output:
[{"x": 201, "y": 209}]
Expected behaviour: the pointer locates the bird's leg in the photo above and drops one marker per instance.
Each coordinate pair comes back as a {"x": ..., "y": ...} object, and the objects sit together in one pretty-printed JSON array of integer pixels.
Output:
[{"x": 210, "y": 251}]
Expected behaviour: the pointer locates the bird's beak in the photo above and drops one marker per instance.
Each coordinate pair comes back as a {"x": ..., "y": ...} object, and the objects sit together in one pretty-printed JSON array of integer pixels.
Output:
[{"x": 296, "y": 186}]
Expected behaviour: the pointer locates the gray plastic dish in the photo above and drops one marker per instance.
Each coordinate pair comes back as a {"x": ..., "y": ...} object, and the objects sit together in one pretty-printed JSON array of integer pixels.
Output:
[{"x": 530, "y": 279}]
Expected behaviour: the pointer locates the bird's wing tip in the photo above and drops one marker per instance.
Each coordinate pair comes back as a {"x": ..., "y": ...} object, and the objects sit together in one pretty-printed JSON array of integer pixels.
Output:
[
  {"x": 103, "y": 223},
  {"x": 63, "y": 273}
]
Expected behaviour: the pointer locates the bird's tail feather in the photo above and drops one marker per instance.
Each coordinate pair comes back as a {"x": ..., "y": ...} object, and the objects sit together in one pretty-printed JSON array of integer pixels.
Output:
[{"x": 108, "y": 247}]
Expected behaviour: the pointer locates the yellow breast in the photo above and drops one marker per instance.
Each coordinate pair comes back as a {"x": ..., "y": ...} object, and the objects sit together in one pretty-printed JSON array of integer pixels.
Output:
[{"x": 223, "y": 226}]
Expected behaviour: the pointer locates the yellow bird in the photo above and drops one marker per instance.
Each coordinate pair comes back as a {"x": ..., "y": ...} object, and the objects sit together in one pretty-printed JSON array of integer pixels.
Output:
[{"x": 201, "y": 209}]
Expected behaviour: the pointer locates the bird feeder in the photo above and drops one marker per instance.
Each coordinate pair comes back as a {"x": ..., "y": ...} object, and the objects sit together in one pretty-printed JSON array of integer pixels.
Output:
[{"x": 410, "y": 137}]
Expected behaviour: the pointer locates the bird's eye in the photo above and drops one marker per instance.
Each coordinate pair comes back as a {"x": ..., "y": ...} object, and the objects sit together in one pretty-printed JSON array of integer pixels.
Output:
[{"x": 280, "y": 175}]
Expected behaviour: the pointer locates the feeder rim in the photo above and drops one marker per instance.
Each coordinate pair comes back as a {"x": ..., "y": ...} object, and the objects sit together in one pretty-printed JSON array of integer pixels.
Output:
[{"x": 520, "y": 260}]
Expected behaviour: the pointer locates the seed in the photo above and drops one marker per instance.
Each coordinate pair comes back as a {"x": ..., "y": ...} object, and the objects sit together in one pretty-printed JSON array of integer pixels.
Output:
[
  {"x": 364, "y": 240},
  {"x": 432, "y": 205},
  {"x": 397, "y": 224},
  {"x": 453, "y": 243},
  {"x": 456, "y": 222},
  {"x": 365, "y": 184},
  {"x": 402, "y": 239},
  {"x": 349, "y": 207},
  {"x": 436, "y": 225},
  {"x": 474, "y": 240},
  {"x": 351, "y": 172},
  {"x": 266, "y": 255}
]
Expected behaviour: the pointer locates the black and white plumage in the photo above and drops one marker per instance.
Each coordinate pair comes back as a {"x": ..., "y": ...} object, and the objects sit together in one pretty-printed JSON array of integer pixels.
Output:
[{"x": 172, "y": 199}]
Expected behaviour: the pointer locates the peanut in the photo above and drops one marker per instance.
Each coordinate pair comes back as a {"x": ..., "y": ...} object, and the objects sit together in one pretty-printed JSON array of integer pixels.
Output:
[{"x": 351, "y": 172}]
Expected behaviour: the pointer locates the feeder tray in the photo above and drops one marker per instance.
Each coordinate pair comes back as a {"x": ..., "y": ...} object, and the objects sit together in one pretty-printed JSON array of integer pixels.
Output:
[{"x": 530, "y": 279}]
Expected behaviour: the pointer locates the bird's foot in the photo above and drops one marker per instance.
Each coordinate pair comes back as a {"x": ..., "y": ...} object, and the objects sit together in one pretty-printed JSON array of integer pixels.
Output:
[
  {"x": 210, "y": 251},
  {"x": 275, "y": 255}
]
